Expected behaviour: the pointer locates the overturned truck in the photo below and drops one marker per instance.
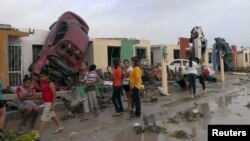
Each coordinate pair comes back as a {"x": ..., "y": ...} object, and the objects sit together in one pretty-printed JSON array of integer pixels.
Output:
[
  {"x": 63, "y": 51},
  {"x": 222, "y": 45}
]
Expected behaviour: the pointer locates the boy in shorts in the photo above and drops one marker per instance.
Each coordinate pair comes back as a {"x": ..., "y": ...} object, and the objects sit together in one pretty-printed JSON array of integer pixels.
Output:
[{"x": 49, "y": 98}]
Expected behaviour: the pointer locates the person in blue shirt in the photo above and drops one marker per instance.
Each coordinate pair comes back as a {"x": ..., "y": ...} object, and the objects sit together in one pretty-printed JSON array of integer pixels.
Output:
[{"x": 2, "y": 112}]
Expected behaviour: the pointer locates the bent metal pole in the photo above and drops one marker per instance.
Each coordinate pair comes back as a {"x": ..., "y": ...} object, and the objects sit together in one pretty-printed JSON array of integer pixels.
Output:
[{"x": 164, "y": 70}]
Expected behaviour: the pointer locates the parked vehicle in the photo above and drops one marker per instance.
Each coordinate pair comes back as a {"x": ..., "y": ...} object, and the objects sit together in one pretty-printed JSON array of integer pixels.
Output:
[
  {"x": 63, "y": 51},
  {"x": 176, "y": 63}
]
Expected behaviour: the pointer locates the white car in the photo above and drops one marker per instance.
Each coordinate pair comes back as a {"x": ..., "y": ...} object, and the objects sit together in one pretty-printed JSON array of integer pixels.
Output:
[{"x": 176, "y": 63}]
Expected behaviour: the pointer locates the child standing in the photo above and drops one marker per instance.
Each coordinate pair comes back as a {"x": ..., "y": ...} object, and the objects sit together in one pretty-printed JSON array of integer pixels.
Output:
[{"x": 49, "y": 97}]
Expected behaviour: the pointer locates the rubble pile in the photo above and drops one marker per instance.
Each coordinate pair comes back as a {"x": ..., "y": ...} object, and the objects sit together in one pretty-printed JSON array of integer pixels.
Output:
[
  {"x": 193, "y": 115},
  {"x": 179, "y": 134},
  {"x": 149, "y": 126}
]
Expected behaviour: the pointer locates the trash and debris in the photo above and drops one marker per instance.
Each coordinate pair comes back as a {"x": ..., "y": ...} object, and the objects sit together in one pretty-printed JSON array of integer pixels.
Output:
[
  {"x": 248, "y": 104},
  {"x": 193, "y": 115},
  {"x": 163, "y": 92},
  {"x": 149, "y": 126},
  {"x": 179, "y": 134}
]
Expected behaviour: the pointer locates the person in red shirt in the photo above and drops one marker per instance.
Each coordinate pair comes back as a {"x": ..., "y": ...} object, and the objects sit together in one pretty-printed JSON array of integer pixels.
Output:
[
  {"x": 205, "y": 73},
  {"x": 117, "y": 87},
  {"x": 49, "y": 99}
]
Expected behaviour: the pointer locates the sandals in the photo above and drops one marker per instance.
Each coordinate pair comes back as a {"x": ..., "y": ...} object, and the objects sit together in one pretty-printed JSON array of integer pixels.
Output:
[
  {"x": 97, "y": 113},
  {"x": 84, "y": 118}
]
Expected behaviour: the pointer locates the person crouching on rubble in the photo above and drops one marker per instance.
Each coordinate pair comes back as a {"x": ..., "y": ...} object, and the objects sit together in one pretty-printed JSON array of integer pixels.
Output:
[
  {"x": 84, "y": 71},
  {"x": 49, "y": 100},
  {"x": 90, "y": 79},
  {"x": 117, "y": 88},
  {"x": 26, "y": 104},
  {"x": 157, "y": 72},
  {"x": 180, "y": 78},
  {"x": 125, "y": 81},
  {"x": 135, "y": 85}
]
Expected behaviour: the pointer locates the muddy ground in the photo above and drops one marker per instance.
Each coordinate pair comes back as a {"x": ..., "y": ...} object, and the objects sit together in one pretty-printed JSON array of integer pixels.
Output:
[{"x": 224, "y": 103}]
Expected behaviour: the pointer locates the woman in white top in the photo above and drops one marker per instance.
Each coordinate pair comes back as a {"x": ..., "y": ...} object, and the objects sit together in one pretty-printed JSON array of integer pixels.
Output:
[
  {"x": 125, "y": 81},
  {"x": 191, "y": 68}
]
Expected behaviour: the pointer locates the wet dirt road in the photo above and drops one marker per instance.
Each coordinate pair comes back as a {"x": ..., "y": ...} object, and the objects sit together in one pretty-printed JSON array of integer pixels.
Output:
[
  {"x": 223, "y": 104},
  {"x": 229, "y": 109}
]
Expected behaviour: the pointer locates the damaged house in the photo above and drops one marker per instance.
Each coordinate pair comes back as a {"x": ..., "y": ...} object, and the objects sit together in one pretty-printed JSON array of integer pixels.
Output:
[
  {"x": 102, "y": 51},
  {"x": 18, "y": 49}
]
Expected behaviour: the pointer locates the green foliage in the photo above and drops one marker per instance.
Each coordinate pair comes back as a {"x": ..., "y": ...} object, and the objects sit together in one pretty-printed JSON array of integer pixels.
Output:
[
  {"x": 28, "y": 137},
  {"x": 11, "y": 135}
]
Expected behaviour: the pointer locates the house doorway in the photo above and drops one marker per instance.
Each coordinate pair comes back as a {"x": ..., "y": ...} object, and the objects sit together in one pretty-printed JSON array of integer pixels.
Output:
[{"x": 114, "y": 52}]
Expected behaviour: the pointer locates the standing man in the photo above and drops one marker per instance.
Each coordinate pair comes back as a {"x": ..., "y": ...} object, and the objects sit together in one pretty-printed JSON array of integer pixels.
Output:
[
  {"x": 117, "y": 87},
  {"x": 135, "y": 85}
]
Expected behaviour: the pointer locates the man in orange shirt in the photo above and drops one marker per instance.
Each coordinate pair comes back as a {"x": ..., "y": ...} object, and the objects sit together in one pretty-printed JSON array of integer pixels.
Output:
[{"x": 117, "y": 87}]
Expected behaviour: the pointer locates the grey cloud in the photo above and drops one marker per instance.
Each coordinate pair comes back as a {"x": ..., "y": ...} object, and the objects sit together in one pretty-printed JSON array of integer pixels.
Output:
[{"x": 161, "y": 21}]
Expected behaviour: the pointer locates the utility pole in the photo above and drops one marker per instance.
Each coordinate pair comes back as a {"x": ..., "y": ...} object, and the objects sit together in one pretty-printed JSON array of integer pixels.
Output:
[
  {"x": 164, "y": 90},
  {"x": 222, "y": 72}
]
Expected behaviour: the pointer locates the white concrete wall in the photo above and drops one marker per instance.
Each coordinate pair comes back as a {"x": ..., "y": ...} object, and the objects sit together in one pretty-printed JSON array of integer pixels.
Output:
[
  {"x": 156, "y": 55},
  {"x": 89, "y": 56},
  {"x": 38, "y": 38}
]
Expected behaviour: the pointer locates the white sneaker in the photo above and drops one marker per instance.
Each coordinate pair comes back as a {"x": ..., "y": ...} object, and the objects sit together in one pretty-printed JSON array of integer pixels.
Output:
[
  {"x": 58, "y": 130},
  {"x": 82, "y": 99}
]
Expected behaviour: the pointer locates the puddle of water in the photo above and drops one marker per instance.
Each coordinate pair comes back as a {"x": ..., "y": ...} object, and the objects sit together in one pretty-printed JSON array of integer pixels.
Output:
[
  {"x": 131, "y": 136},
  {"x": 230, "y": 109}
]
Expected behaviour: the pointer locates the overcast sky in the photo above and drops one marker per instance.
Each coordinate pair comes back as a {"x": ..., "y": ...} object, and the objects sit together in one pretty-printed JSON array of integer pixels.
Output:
[{"x": 161, "y": 21}]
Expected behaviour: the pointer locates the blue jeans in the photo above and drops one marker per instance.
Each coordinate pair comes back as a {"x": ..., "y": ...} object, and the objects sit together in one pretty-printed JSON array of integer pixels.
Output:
[
  {"x": 202, "y": 81},
  {"x": 192, "y": 82},
  {"x": 137, "y": 101},
  {"x": 116, "y": 99}
]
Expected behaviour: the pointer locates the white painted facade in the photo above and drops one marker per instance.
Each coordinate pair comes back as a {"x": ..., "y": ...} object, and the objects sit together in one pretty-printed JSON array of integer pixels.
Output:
[{"x": 36, "y": 38}]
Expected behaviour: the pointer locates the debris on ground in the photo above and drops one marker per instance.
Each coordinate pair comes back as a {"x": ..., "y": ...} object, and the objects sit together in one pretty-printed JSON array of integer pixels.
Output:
[
  {"x": 174, "y": 120},
  {"x": 248, "y": 104},
  {"x": 179, "y": 134},
  {"x": 149, "y": 126},
  {"x": 193, "y": 115}
]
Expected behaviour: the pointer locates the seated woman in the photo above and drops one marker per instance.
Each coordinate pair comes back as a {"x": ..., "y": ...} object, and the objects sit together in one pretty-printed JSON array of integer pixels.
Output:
[{"x": 25, "y": 97}]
